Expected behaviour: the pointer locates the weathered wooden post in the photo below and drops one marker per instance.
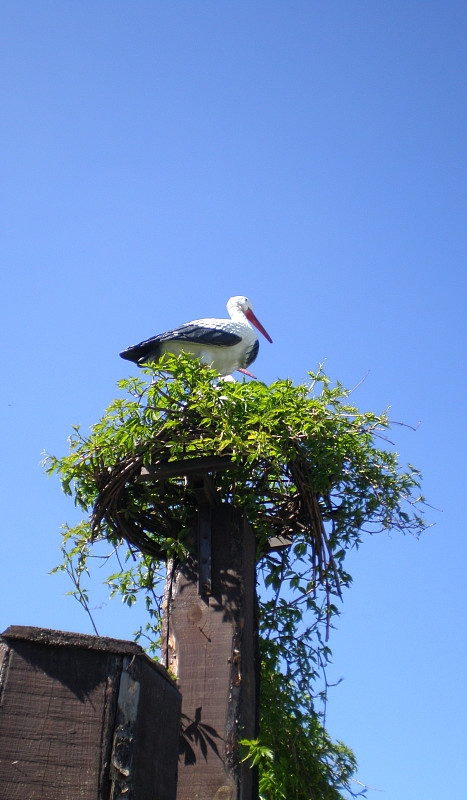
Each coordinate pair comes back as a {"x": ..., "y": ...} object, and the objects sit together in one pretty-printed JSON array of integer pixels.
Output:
[
  {"x": 84, "y": 718},
  {"x": 210, "y": 642}
]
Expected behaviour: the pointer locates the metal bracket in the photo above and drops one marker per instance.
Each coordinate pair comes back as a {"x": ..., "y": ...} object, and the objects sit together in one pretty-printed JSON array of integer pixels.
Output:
[
  {"x": 205, "y": 493},
  {"x": 204, "y": 549}
]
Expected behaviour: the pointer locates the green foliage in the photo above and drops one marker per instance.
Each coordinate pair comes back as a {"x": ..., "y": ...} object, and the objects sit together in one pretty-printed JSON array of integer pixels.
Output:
[
  {"x": 305, "y": 463},
  {"x": 294, "y": 754}
]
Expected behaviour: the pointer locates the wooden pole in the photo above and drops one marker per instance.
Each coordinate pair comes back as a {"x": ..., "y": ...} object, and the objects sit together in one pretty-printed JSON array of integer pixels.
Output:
[{"x": 210, "y": 645}]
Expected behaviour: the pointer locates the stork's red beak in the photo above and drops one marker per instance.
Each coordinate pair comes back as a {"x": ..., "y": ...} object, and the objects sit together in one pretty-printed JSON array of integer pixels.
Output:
[{"x": 254, "y": 321}]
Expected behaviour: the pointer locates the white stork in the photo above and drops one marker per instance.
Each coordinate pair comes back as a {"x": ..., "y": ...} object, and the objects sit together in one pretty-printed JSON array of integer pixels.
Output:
[{"x": 225, "y": 345}]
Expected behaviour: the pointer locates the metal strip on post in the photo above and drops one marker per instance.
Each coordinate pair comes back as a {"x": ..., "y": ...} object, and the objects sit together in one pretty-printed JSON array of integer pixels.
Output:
[
  {"x": 205, "y": 493},
  {"x": 204, "y": 549},
  {"x": 121, "y": 767}
]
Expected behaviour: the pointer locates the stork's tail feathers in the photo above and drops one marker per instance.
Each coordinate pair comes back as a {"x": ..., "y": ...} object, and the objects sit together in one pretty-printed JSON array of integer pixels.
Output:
[{"x": 142, "y": 353}]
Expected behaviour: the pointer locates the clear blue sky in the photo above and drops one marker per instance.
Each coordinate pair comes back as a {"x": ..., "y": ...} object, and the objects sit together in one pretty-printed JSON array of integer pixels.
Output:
[{"x": 159, "y": 157}]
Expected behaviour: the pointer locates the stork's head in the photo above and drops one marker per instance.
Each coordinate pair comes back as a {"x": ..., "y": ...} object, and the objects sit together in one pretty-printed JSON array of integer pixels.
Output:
[{"x": 240, "y": 305}]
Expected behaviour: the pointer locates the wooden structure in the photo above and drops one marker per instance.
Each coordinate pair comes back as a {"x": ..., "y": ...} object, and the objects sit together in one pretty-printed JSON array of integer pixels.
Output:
[
  {"x": 84, "y": 718},
  {"x": 209, "y": 643},
  {"x": 209, "y": 640}
]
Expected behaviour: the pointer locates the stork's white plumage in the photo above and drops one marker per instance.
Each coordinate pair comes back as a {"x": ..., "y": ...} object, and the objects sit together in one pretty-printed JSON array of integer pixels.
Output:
[{"x": 225, "y": 345}]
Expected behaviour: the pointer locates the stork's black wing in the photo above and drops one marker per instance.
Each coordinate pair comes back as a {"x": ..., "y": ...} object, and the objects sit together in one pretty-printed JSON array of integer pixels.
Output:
[
  {"x": 201, "y": 335},
  {"x": 149, "y": 350}
]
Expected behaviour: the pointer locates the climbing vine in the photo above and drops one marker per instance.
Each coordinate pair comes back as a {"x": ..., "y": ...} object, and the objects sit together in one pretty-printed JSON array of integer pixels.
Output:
[{"x": 305, "y": 466}]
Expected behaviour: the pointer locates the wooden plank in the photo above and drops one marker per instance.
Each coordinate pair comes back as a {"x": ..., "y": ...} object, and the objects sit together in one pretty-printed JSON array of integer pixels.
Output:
[
  {"x": 53, "y": 708},
  {"x": 188, "y": 466},
  {"x": 280, "y": 542},
  {"x": 157, "y": 738},
  {"x": 211, "y": 646}
]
